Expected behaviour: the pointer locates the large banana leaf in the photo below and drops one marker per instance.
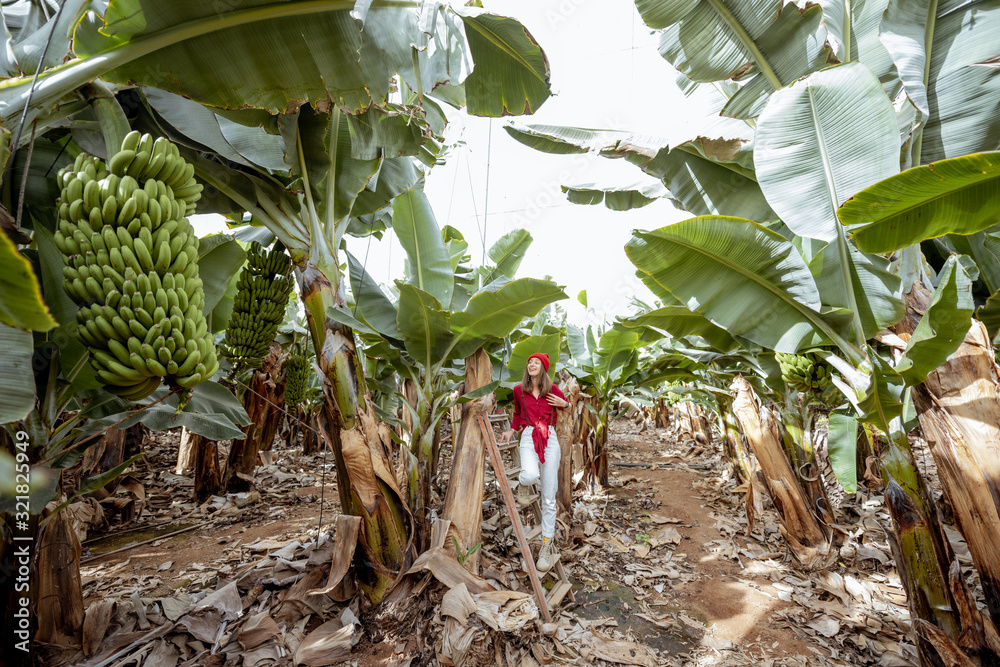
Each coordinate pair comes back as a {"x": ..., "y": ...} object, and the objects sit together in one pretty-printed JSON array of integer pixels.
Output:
[
  {"x": 235, "y": 142},
  {"x": 373, "y": 305},
  {"x": 843, "y": 449},
  {"x": 937, "y": 46},
  {"x": 274, "y": 56},
  {"x": 511, "y": 76},
  {"x": 17, "y": 381},
  {"x": 705, "y": 183},
  {"x": 984, "y": 248},
  {"x": 822, "y": 140},
  {"x": 491, "y": 315},
  {"x": 212, "y": 412},
  {"x": 875, "y": 292},
  {"x": 428, "y": 263},
  {"x": 956, "y": 196},
  {"x": 679, "y": 322},
  {"x": 508, "y": 252},
  {"x": 21, "y": 303},
  {"x": 616, "y": 348},
  {"x": 548, "y": 343},
  {"x": 760, "y": 287},
  {"x": 424, "y": 326},
  {"x": 942, "y": 327},
  {"x": 219, "y": 259},
  {"x": 615, "y": 197},
  {"x": 723, "y": 39},
  {"x": 853, "y": 25}
]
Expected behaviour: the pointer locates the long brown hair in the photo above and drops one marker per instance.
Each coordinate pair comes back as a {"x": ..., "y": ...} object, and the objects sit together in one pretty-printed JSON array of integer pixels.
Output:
[{"x": 544, "y": 383}]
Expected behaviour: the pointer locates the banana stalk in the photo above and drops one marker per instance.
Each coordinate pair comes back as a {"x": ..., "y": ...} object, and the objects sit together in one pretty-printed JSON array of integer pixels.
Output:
[{"x": 360, "y": 445}]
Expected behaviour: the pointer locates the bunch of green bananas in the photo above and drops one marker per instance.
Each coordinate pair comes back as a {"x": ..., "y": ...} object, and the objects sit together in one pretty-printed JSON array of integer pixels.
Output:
[
  {"x": 296, "y": 375},
  {"x": 130, "y": 261},
  {"x": 259, "y": 306},
  {"x": 804, "y": 373}
]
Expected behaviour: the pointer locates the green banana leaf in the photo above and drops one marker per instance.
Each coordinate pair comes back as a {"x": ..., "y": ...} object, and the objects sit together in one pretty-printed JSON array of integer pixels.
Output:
[
  {"x": 17, "y": 381},
  {"x": 989, "y": 315},
  {"x": 21, "y": 303},
  {"x": 936, "y": 47},
  {"x": 508, "y": 253},
  {"x": 821, "y": 141},
  {"x": 615, "y": 349},
  {"x": 210, "y": 51},
  {"x": 984, "y": 249},
  {"x": 723, "y": 39},
  {"x": 842, "y": 449},
  {"x": 876, "y": 292},
  {"x": 220, "y": 257},
  {"x": 576, "y": 342},
  {"x": 249, "y": 146},
  {"x": 511, "y": 75},
  {"x": 942, "y": 327},
  {"x": 428, "y": 263},
  {"x": 495, "y": 314},
  {"x": 854, "y": 27},
  {"x": 956, "y": 196},
  {"x": 549, "y": 344},
  {"x": 616, "y": 197},
  {"x": 372, "y": 304},
  {"x": 680, "y": 322},
  {"x": 424, "y": 326},
  {"x": 703, "y": 182},
  {"x": 761, "y": 289},
  {"x": 212, "y": 412}
]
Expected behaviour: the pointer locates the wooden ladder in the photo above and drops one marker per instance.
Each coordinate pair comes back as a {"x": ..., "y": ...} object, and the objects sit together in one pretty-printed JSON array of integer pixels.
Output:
[{"x": 563, "y": 585}]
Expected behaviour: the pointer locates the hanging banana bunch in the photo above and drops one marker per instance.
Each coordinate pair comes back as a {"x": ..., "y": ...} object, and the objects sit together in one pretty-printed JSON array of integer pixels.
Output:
[
  {"x": 130, "y": 261},
  {"x": 805, "y": 374},
  {"x": 296, "y": 377},
  {"x": 259, "y": 307}
]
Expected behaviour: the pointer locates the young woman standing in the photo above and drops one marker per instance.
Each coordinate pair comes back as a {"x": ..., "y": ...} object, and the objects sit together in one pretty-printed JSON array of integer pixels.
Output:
[{"x": 535, "y": 402}]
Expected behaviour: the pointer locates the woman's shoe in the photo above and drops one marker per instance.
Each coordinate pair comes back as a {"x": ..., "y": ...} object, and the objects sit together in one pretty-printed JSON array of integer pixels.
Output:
[{"x": 547, "y": 556}]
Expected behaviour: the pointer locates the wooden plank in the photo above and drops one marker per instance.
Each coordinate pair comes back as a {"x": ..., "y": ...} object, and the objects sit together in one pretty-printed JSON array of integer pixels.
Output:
[{"x": 558, "y": 592}]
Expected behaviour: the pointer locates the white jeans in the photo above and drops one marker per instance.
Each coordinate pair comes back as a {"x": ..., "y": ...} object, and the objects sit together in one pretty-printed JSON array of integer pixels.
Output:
[{"x": 549, "y": 475}]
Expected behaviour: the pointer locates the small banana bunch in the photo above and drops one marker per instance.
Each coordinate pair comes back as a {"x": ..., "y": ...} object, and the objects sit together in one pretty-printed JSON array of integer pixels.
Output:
[
  {"x": 296, "y": 375},
  {"x": 130, "y": 261},
  {"x": 259, "y": 306},
  {"x": 805, "y": 373}
]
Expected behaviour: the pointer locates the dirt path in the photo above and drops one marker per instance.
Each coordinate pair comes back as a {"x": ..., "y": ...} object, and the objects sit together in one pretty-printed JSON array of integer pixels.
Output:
[{"x": 662, "y": 560}]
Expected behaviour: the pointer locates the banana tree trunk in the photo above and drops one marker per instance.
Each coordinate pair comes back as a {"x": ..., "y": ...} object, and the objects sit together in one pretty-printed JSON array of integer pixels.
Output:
[
  {"x": 595, "y": 450},
  {"x": 809, "y": 540},
  {"x": 60, "y": 588},
  {"x": 662, "y": 417},
  {"x": 263, "y": 404},
  {"x": 737, "y": 452},
  {"x": 360, "y": 444},
  {"x": 185, "y": 453},
  {"x": 567, "y": 430},
  {"x": 799, "y": 430},
  {"x": 207, "y": 478},
  {"x": 959, "y": 410},
  {"x": 463, "y": 502}
]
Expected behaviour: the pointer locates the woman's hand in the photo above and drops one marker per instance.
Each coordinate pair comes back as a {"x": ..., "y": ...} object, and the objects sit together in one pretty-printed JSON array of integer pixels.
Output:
[
  {"x": 506, "y": 436},
  {"x": 555, "y": 401}
]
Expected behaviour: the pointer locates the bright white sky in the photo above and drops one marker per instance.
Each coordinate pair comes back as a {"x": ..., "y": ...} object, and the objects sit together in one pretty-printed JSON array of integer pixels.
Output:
[{"x": 606, "y": 74}]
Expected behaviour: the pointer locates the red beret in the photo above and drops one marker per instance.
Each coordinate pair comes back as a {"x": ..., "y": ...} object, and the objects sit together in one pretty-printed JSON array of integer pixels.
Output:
[{"x": 542, "y": 357}]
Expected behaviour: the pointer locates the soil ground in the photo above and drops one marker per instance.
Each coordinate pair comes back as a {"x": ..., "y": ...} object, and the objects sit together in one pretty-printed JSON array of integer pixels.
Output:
[{"x": 662, "y": 558}]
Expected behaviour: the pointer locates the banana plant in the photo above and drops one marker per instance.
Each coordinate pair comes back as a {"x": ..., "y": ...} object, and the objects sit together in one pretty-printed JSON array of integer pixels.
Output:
[{"x": 435, "y": 322}]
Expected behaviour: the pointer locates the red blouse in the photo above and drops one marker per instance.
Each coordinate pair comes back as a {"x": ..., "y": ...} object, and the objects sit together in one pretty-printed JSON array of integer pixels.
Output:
[{"x": 538, "y": 409}]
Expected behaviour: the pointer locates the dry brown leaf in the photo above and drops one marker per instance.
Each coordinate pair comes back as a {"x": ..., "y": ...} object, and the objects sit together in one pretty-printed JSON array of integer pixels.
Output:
[
  {"x": 96, "y": 624},
  {"x": 448, "y": 571},
  {"x": 458, "y": 604},
  {"x": 257, "y": 630},
  {"x": 328, "y": 644},
  {"x": 506, "y": 610},
  {"x": 164, "y": 654},
  {"x": 622, "y": 653},
  {"x": 339, "y": 585}
]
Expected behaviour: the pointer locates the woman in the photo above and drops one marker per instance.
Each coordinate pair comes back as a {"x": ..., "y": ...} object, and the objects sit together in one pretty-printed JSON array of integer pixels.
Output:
[{"x": 535, "y": 403}]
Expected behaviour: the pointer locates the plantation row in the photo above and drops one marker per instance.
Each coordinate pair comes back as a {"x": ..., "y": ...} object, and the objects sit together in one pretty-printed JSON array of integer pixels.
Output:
[{"x": 845, "y": 199}]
